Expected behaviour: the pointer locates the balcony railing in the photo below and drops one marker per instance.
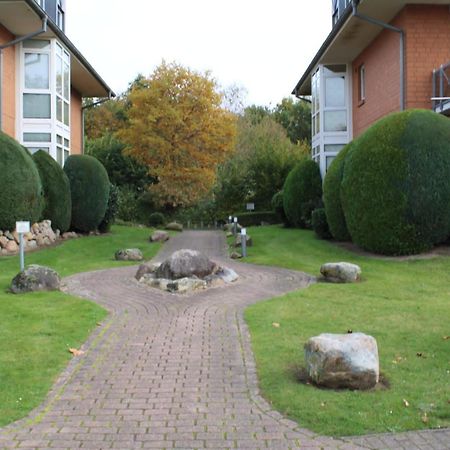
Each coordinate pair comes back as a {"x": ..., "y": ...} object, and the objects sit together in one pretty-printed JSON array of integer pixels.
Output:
[{"x": 441, "y": 89}]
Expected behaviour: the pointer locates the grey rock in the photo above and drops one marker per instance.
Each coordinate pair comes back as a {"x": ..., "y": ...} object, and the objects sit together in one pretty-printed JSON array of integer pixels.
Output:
[
  {"x": 174, "y": 226},
  {"x": 159, "y": 283},
  {"x": 159, "y": 236},
  {"x": 343, "y": 360},
  {"x": 145, "y": 269},
  {"x": 8, "y": 235},
  {"x": 31, "y": 245},
  {"x": 235, "y": 255},
  {"x": 35, "y": 278},
  {"x": 129, "y": 254},
  {"x": 341, "y": 272},
  {"x": 186, "y": 263},
  {"x": 12, "y": 247},
  {"x": 228, "y": 275},
  {"x": 3, "y": 241},
  {"x": 184, "y": 285},
  {"x": 248, "y": 240}
]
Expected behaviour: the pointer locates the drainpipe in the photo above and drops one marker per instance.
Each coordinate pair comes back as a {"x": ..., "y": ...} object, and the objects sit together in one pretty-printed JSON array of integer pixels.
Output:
[
  {"x": 402, "y": 47},
  {"x": 99, "y": 102},
  {"x": 11, "y": 44}
]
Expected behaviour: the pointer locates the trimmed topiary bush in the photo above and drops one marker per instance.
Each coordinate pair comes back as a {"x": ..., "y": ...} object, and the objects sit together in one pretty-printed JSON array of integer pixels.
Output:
[
  {"x": 332, "y": 196},
  {"x": 156, "y": 219},
  {"x": 89, "y": 185},
  {"x": 20, "y": 185},
  {"x": 302, "y": 193},
  {"x": 111, "y": 210},
  {"x": 320, "y": 224},
  {"x": 56, "y": 186},
  {"x": 277, "y": 206},
  {"x": 395, "y": 190}
]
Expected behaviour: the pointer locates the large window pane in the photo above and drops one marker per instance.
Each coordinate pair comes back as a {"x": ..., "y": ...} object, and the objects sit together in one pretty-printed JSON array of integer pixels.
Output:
[
  {"x": 59, "y": 75},
  {"x": 334, "y": 147},
  {"x": 59, "y": 109},
  {"x": 335, "y": 121},
  {"x": 37, "y": 137},
  {"x": 59, "y": 155},
  {"x": 66, "y": 113},
  {"x": 37, "y": 71},
  {"x": 66, "y": 81},
  {"x": 33, "y": 150},
  {"x": 36, "y": 106},
  {"x": 335, "y": 91}
]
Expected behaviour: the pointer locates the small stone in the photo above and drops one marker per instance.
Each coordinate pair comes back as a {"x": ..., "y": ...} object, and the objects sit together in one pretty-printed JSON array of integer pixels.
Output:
[
  {"x": 184, "y": 285},
  {"x": 3, "y": 241},
  {"x": 40, "y": 240},
  {"x": 35, "y": 278},
  {"x": 145, "y": 269},
  {"x": 31, "y": 245},
  {"x": 129, "y": 254},
  {"x": 235, "y": 255},
  {"x": 248, "y": 240},
  {"x": 159, "y": 236},
  {"x": 174, "y": 226},
  {"x": 343, "y": 360},
  {"x": 228, "y": 275},
  {"x": 8, "y": 235},
  {"x": 12, "y": 247},
  {"x": 341, "y": 272}
]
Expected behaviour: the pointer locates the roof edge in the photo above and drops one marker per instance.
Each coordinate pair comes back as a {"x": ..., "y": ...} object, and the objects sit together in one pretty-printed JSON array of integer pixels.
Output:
[
  {"x": 68, "y": 43},
  {"x": 334, "y": 32}
]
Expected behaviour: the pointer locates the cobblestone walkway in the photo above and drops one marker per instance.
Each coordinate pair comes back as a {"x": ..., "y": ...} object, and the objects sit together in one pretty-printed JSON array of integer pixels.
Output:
[{"x": 168, "y": 371}]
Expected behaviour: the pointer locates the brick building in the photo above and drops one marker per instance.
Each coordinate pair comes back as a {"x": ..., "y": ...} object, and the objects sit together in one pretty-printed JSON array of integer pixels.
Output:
[
  {"x": 43, "y": 78},
  {"x": 381, "y": 56}
]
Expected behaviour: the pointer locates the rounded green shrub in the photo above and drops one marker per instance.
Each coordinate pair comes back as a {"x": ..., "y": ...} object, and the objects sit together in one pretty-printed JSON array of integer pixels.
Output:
[
  {"x": 111, "y": 210},
  {"x": 395, "y": 190},
  {"x": 320, "y": 224},
  {"x": 57, "y": 199},
  {"x": 332, "y": 196},
  {"x": 277, "y": 206},
  {"x": 20, "y": 185},
  {"x": 89, "y": 186},
  {"x": 156, "y": 219},
  {"x": 302, "y": 193}
]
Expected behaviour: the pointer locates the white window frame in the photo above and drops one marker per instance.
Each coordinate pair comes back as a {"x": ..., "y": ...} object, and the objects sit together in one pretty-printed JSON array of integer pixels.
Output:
[{"x": 362, "y": 83}]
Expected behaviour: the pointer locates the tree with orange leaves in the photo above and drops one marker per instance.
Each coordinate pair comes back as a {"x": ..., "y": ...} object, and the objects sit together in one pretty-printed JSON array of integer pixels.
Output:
[{"x": 177, "y": 127}]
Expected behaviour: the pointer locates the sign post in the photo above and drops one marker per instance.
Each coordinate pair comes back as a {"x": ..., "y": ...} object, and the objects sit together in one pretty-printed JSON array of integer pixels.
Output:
[
  {"x": 244, "y": 242},
  {"x": 22, "y": 228}
]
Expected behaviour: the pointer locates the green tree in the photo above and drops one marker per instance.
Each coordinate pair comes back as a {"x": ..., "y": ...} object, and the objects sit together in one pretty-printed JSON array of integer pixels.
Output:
[{"x": 295, "y": 117}]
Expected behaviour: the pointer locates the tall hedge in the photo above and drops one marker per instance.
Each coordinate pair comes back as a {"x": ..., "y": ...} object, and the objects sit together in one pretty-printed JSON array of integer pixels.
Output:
[
  {"x": 89, "y": 186},
  {"x": 302, "y": 193},
  {"x": 56, "y": 186},
  {"x": 395, "y": 190},
  {"x": 332, "y": 196},
  {"x": 20, "y": 185},
  {"x": 277, "y": 206}
]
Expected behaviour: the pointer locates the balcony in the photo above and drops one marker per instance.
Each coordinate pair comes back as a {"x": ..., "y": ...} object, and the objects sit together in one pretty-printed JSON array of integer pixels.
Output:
[{"x": 441, "y": 90}]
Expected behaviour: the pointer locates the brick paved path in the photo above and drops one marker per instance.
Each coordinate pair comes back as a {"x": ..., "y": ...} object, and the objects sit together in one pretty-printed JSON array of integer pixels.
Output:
[{"x": 169, "y": 371}]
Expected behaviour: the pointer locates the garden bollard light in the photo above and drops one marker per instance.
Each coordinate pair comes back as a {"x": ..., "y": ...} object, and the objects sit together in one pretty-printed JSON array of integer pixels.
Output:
[
  {"x": 22, "y": 228},
  {"x": 235, "y": 220},
  {"x": 244, "y": 242}
]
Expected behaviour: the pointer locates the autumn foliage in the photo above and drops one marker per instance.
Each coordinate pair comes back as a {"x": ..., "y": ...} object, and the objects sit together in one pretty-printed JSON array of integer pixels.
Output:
[{"x": 178, "y": 129}]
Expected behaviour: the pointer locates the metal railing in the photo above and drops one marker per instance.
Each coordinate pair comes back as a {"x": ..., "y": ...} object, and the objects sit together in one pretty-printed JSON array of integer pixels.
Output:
[{"x": 441, "y": 89}]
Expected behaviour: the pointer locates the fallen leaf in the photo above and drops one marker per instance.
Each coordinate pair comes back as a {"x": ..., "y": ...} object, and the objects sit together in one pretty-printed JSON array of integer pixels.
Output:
[
  {"x": 425, "y": 418},
  {"x": 349, "y": 331},
  {"x": 405, "y": 402},
  {"x": 420, "y": 355},
  {"x": 276, "y": 325},
  {"x": 76, "y": 352},
  {"x": 323, "y": 404},
  {"x": 446, "y": 338}
]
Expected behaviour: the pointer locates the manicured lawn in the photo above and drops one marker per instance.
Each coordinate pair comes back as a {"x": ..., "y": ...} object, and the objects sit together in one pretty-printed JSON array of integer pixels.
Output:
[
  {"x": 405, "y": 305},
  {"x": 36, "y": 330}
]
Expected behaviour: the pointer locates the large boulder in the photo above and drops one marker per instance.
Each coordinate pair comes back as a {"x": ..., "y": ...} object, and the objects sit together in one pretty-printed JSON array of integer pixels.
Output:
[
  {"x": 341, "y": 272},
  {"x": 184, "y": 264},
  {"x": 343, "y": 361},
  {"x": 129, "y": 254},
  {"x": 174, "y": 226},
  {"x": 159, "y": 236},
  {"x": 35, "y": 278}
]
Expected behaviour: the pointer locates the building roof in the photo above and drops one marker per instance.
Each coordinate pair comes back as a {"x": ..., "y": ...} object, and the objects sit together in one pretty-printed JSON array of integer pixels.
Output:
[
  {"x": 21, "y": 17},
  {"x": 351, "y": 35}
]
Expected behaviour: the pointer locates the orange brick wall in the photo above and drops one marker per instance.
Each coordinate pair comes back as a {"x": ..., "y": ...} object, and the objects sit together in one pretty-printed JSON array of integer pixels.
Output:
[
  {"x": 76, "y": 147},
  {"x": 9, "y": 84},
  {"x": 427, "y": 42}
]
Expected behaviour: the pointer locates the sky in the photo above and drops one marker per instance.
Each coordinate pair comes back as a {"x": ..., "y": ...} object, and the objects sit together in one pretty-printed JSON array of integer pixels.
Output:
[{"x": 263, "y": 46}]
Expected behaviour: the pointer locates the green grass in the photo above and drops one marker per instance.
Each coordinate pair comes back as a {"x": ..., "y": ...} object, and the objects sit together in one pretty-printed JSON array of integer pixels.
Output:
[
  {"x": 37, "y": 329},
  {"x": 405, "y": 305}
]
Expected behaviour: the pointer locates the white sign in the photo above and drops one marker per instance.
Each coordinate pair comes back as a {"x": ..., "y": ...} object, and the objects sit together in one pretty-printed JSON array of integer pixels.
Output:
[
  {"x": 244, "y": 231},
  {"x": 23, "y": 227},
  {"x": 250, "y": 206}
]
